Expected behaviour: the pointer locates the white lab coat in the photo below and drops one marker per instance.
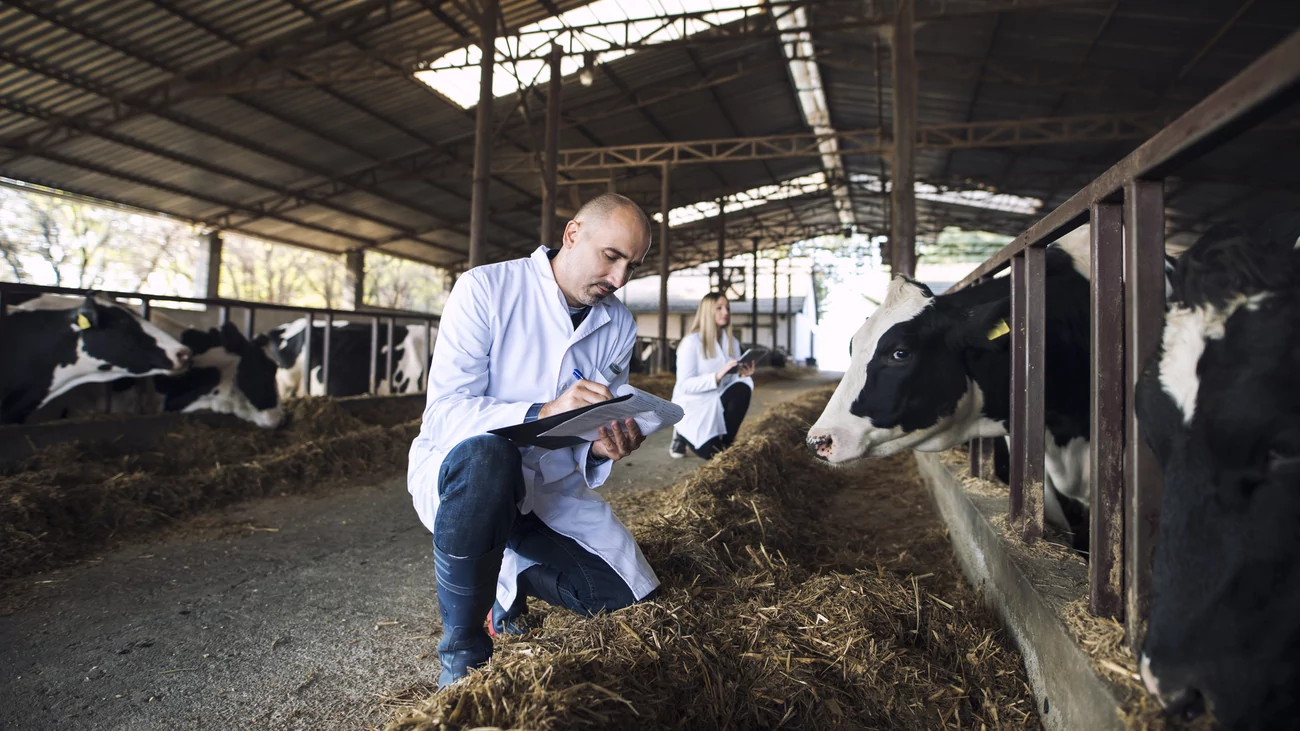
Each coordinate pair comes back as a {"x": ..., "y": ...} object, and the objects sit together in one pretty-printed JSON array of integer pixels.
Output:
[
  {"x": 697, "y": 393},
  {"x": 506, "y": 342}
]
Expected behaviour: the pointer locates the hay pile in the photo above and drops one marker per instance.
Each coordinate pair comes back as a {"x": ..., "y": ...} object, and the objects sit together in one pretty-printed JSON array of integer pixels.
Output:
[
  {"x": 67, "y": 501},
  {"x": 659, "y": 384},
  {"x": 780, "y": 606}
]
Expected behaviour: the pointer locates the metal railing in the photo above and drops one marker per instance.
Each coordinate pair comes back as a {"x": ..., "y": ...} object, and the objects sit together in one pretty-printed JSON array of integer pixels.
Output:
[
  {"x": 313, "y": 315},
  {"x": 1125, "y": 208}
]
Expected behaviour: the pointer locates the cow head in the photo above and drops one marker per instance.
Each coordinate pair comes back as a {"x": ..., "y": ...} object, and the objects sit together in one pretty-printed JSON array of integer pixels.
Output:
[
  {"x": 124, "y": 341},
  {"x": 908, "y": 386},
  {"x": 1220, "y": 408},
  {"x": 231, "y": 375},
  {"x": 89, "y": 340}
]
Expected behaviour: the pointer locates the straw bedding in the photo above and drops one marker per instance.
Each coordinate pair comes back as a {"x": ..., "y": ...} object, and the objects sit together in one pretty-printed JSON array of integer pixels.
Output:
[
  {"x": 67, "y": 501},
  {"x": 793, "y": 596}
]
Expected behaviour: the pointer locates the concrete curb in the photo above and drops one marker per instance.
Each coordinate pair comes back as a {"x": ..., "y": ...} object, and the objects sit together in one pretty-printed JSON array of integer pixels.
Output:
[{"x": 1069, "y": 693}]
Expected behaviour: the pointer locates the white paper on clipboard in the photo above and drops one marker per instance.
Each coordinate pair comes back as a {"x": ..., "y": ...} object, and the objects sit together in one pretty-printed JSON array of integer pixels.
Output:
[{"x": 650, "y": 412}]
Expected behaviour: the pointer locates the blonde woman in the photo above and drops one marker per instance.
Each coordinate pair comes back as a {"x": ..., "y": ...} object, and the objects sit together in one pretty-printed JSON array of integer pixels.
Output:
[{"x": 712, "y": 386}]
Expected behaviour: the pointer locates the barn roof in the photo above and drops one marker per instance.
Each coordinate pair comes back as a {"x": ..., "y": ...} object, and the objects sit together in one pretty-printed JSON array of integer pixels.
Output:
[{"x": 304, "y": 121}]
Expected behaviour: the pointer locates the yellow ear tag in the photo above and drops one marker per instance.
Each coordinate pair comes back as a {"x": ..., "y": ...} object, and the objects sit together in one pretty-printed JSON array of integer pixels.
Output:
[
  {"x": 83, "y": 322},
  {"x": 999, "y": 330}
]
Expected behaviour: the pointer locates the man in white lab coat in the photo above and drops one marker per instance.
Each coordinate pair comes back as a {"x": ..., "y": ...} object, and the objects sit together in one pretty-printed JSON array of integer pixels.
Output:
[{"x": 521, "y": 340}]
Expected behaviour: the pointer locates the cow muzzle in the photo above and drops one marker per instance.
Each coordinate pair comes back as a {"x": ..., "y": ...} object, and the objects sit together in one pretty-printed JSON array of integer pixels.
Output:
[{"x": 821, "y": 445}]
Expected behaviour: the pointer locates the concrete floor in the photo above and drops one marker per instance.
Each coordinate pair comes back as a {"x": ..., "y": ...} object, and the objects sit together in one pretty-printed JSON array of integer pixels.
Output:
[{"x": 289, "y": 613}]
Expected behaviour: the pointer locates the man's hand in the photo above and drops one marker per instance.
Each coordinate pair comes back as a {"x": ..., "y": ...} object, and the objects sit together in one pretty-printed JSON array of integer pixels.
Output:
[
  {"x": 747, "y": 369},
  {"x": 582, "y": 393},
  {"x": 717, "y": 377},
  {"x": 618, "y": 439}
]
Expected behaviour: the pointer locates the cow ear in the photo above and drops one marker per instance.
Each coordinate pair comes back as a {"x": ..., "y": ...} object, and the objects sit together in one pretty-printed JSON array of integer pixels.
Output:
[
  {"x": 88, "y": 314},
  {"x": 984, "y": 326},
  {"x": 231, "y": 338},
  {"x": 261, "y": 340}
]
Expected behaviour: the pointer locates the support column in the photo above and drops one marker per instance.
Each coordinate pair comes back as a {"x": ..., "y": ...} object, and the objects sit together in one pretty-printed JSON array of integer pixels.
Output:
[
  {"x": 776, "y": 283},
  {"x": 789, "y": 310},
  {"x": 902, "y": 236},
  {"x": 354, "y": 276},
  {"x": 753, "y": 303},
  {"x": 664, "y": 190},
  {"x": 722, "y": 247},
  {"x": 483, "y": 136},
  {"x": 549, "y": 170},
  {"x": 207, "y": 280}
]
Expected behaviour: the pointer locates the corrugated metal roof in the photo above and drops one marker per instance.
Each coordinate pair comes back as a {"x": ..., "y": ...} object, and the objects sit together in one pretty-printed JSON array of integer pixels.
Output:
[{"x": 368, "y": 156}]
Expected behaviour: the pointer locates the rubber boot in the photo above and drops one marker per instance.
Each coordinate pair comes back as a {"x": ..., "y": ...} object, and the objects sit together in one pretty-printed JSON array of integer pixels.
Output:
[
  {"x": 466, "y": 591},
  {"x": 513, "y": 621}
]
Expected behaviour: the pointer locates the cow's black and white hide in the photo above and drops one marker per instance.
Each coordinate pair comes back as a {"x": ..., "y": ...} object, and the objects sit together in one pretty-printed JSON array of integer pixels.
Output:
[
  {"x": 349, "y": 373},
  {"x": 931, "y": 372},
  {"x": 54, "y": 344},
  {"x": 1220, "y": 406},
  {"x": 229, "y": 375}
]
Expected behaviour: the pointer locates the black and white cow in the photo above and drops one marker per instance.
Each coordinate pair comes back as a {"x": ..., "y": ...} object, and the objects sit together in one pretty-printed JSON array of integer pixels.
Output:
[
  {"x": 349, "y": 359},
  {"x": 1220, "y": 406},
  {"x": 228, "y": 375},
  {"x": 931, "y": 372},
  {"x": 53, "y": 344}
]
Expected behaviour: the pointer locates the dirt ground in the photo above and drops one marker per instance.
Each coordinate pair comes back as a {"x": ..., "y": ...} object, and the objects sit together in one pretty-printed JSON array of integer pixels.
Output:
[{"x": 289, "y": 612}]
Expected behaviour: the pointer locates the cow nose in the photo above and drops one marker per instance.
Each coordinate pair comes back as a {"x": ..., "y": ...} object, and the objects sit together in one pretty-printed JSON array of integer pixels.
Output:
[
  {"x": 1187, "y": 704},
  {"x": 183, "y": 357},
  {"x": 821, "y": 445}
]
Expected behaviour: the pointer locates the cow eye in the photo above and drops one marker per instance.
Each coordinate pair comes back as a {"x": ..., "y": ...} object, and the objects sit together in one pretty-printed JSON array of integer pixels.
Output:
[{"x": 901, "y": 354}]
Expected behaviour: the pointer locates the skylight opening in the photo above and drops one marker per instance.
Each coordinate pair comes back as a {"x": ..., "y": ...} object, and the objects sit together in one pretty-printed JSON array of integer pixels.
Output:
[
  {"x": 745, "y": 199},
  {"x": 985, "y": 199},
  {"x": 456, "y": 75}
]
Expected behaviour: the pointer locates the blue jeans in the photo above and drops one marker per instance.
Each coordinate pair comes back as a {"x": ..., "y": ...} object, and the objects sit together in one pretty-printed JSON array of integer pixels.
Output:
[{"x": 479, "y": 486}]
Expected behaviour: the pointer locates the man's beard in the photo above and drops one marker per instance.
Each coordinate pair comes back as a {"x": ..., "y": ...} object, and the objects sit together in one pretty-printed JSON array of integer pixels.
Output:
[{"x": 593, "y": 294}]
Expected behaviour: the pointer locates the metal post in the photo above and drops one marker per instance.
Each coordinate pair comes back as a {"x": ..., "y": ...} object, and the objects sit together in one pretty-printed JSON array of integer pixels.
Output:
[
  {"x": 988, "y": 458},
  {"x": 976, "y": 457},
  {"x": 753, "y": 304},
  {"x": 354, "y": 290},
  {"x": 789, "y": 310},
  {"x": 374, "y": 353},
  {"x": 776, "y": 283},
  {"x": 428, "y": 354},
  {"x": 1144, "y": 300},
  {"x": 325, "y": 352},
  {"x": 225, "y": 314},
  {"x": 250, "y": 315},
  {"x": 663, "y": 270},
  {"x": 146, "y": 309},
  {"x": 1028, "y": 310},
  {"x": 388, "y": 361},
  {"x": 208, "y": 281},
  {"x": 1105, "y": 561},
  {"x": 306, "y": 355},
  {"x": 483, "y": 136},
  {"x": 902, "y": 237},
  {"x": 722, "y": 246},
  {"x": 549, "y": 159}
]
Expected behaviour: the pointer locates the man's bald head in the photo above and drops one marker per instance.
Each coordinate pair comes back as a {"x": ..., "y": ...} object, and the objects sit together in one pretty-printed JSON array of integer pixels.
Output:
[
  {"x": 603, "y": 245},
  {"x": 606, "y": 205}
]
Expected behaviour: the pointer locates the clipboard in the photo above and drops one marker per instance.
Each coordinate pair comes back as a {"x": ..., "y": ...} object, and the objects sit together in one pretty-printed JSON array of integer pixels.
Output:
[{"x": 530, "y": 433}]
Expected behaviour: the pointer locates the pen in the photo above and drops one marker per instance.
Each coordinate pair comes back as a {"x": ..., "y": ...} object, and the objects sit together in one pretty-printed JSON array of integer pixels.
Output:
[{"x": 577, "y": 374}]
